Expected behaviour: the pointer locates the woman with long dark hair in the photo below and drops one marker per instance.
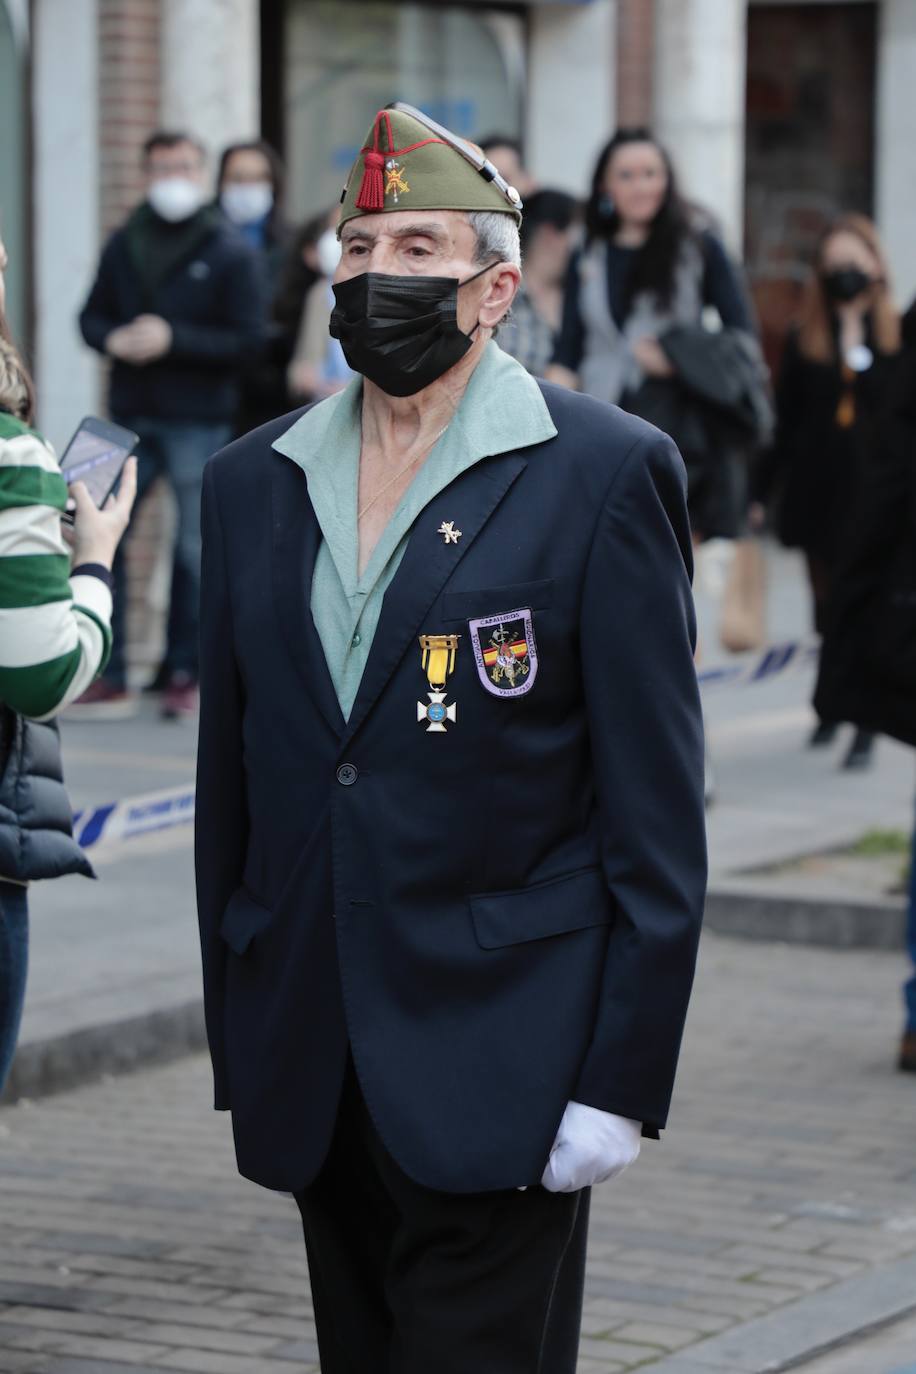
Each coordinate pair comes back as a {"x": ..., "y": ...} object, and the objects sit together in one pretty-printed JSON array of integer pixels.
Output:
[
  {"x": 830, "y": 395},
  {"x": 649, "y": 263},
  {"x": 55, "y": 636}
]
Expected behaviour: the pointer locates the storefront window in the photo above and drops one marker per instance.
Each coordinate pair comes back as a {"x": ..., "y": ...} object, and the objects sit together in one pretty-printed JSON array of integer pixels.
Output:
[
  {"x": 810, "y": 130},
  {"x": 343, "y": 61}
]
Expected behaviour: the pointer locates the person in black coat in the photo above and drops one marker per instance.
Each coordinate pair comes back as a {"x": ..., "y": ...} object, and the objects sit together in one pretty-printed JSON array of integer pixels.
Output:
[
  {"x": 449, "y": 836},
  {"x": 868, "y": 664},
  {"x": 177, "y": 306},
  {"x": 831, "y": 388}
]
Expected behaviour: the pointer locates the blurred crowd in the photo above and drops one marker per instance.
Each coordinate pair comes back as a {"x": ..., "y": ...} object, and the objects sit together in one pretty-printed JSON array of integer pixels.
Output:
[{"x": 212, "y": 309}]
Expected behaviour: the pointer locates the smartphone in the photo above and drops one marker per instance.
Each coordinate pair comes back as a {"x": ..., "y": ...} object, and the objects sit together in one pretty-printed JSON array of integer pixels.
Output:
[{"x": 95, "y": 455}]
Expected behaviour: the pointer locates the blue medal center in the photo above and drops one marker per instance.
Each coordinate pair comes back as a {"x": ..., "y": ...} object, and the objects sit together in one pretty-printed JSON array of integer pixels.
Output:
[{"x": 435, "y": 712}]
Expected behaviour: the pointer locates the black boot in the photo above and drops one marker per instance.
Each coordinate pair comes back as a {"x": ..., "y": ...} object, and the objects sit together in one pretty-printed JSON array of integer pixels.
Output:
[
  {"x": 824, "y": 733},
  {"x": 860, "y": 751}
]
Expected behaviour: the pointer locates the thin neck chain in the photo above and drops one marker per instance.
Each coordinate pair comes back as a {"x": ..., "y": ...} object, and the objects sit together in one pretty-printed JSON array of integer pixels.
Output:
[{"x": 400, "y": 473}]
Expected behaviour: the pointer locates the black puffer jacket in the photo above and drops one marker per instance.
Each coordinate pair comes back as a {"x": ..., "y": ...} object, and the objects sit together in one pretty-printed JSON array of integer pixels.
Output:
[{"x": 36, "y": 823}]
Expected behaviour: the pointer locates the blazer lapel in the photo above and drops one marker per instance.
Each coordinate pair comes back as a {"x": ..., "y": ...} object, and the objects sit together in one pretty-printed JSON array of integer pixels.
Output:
[
  {"x": 427, "y": 564},
  {"x": 295, "y": 538}
]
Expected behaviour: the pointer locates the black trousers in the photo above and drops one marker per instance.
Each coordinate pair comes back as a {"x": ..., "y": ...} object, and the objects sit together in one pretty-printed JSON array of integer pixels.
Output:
[{"x": 406, "y": 1280}]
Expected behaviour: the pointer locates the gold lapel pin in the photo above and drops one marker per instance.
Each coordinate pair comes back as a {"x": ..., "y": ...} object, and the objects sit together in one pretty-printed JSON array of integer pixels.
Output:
[{"x": 448, "y": 532}]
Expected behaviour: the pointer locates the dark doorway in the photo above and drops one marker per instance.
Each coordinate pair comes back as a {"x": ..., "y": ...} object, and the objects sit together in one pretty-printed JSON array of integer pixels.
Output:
[{"x": 810, "y": 141}]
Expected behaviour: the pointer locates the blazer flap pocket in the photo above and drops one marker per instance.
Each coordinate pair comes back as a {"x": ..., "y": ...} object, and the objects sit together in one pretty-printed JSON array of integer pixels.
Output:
[
  {"x": 531, "y": 596},
  {"x": 243, "y": 919},
  {"x": 571, "y": 902}
]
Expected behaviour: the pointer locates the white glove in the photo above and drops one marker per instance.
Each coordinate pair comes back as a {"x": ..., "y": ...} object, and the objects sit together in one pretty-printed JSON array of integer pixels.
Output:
[{"x": 591, "y": 1147}]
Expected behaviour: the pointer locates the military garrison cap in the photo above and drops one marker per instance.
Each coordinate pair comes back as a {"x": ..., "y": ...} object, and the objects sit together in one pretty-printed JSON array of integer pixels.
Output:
[{"x": 411, "y": 163}]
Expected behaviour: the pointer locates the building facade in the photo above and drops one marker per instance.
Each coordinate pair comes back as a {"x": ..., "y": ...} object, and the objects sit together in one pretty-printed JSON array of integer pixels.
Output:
[{"x": 778, "y": 113}]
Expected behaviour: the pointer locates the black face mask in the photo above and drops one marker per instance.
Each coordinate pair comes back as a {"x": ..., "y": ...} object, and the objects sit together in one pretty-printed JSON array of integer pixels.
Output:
[
  {"x": 845, "y": 283},
  {"x": 400, "y": 332}
]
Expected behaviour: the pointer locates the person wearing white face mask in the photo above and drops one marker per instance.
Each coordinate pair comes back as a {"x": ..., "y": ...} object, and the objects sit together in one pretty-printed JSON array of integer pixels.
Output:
[
  {"x": 249, "y": 187},
  {"x": 177, "y": 307},
  {"x": 318, "y": 368}
]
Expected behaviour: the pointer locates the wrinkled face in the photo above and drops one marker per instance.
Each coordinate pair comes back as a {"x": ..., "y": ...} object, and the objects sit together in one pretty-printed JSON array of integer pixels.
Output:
[
  {"x": 184, "y": 160},
  {"x": 845, "y": 249},
  {"x": 246, "y": 167},
  {"x": 636, "y": 180},
  {"x": 417, "y": 243}
]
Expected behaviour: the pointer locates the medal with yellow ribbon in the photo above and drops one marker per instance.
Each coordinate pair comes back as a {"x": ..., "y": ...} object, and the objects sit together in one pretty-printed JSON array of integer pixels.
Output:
[{"x": 438, "y": 664}]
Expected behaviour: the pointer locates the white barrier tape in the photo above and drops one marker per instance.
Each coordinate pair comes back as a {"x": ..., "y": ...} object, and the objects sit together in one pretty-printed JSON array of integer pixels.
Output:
[
  {"x": 125, "y": 820},
  {"x": 778, "y": 658},
  {"x": 155, "y": 811}
]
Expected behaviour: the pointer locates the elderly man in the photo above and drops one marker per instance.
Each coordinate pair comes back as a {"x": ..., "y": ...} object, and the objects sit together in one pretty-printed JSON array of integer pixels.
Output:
[{"x": 450, "y": 836}]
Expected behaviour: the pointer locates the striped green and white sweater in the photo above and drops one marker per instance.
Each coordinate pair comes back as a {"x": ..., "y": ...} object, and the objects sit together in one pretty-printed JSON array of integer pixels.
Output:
[{"x": 55, "y": 631}]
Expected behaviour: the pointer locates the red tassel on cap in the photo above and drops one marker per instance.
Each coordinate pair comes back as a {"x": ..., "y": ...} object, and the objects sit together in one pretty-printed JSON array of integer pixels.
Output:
[{"x": 372, "y": 192}]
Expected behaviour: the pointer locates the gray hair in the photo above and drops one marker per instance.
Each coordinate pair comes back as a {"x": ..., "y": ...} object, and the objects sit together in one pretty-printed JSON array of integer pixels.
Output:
[
  {"x": 498, "y": 240},
  {"x": 497, "y": 237}
]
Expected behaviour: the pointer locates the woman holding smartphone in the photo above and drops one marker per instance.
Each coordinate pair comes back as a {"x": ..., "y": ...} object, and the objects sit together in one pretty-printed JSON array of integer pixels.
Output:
[{"x": 55, "y": 636}]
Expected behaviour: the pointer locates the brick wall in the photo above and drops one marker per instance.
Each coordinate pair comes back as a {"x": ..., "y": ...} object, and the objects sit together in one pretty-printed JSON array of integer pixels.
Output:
[
  {"x": 129, "y": 110},
  {"x": 129, "y": 76},
  {"x": 635, "y": 34}
]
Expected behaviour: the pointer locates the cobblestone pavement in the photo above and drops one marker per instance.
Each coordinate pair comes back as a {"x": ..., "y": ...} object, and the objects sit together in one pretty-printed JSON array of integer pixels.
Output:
[{"x": 130, "y": 1244}]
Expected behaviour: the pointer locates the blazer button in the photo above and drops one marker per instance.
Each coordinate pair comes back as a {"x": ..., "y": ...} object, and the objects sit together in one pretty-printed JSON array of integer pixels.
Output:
[{"x": 347, "y": 774}]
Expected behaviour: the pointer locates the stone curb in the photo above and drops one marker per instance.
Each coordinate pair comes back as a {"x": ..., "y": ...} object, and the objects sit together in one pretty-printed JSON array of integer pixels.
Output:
[
  {"x": 78, "y": 1056},
  {"x": 803, "y": 1330},
  {"x": 746, "y": 909}
]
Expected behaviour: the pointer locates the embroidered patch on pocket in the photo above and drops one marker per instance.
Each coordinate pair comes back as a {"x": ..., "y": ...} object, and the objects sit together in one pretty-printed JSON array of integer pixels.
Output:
[{"x": 505, "y": 652}]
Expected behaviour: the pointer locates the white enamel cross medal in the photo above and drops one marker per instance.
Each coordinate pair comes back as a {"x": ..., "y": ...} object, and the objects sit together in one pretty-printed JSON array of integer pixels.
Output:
[{"x": 438, "y": 665}]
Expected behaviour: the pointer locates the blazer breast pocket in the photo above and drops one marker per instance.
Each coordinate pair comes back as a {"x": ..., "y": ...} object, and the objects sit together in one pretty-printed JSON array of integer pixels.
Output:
[{"x": 533, "y": 596}]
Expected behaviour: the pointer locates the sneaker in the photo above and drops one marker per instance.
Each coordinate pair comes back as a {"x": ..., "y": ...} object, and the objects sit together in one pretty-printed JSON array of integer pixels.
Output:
[
  {"x": 180, "y": 700},
  {"x": 907, "y": 1060},
  {"x": 103, "y": 701}
]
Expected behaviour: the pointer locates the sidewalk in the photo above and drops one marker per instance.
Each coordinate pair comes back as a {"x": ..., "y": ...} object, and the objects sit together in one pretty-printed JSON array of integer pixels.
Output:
[{"x": 777, "y": 1214}]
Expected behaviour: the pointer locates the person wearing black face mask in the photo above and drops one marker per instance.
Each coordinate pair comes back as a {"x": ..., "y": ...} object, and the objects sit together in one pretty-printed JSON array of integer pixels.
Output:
[
  {"x": 401, "y": 333},
  {"x": 830, "y": 395},
  {"x": 450, "y": 838}
]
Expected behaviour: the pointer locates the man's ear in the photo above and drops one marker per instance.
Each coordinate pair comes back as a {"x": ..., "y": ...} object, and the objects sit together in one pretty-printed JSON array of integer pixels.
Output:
[{"x": 499, "y": 297}]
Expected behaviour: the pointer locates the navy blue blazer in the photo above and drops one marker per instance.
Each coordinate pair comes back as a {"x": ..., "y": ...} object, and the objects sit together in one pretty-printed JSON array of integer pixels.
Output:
[{"x": 495, "y": 918}]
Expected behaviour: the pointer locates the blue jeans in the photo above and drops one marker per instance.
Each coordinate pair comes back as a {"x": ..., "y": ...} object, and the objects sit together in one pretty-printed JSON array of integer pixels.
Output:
[
  {"x": 176, "y": 450},
  {"x": 14, "y": 959},
  {"x": 909, "y": 988}
]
